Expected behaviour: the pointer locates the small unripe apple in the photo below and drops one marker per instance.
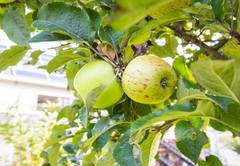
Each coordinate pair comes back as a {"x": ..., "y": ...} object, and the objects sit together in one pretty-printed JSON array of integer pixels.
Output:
[
  {"x": 93, "y": 74},
  {"x": 148, "y": 79}
]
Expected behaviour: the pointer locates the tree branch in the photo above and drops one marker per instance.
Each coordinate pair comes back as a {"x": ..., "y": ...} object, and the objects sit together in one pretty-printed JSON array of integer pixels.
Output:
[
  {"x": 193, "y": 39},
  {"x": 220, "y": 44}
]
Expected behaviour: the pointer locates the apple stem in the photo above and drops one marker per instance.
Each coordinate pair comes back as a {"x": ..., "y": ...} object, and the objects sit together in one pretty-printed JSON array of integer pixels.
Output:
[{"x": 103, "y": 57}]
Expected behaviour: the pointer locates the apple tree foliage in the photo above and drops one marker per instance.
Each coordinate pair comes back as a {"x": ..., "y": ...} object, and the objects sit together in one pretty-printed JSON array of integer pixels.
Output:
[{"x": 202, "y": 40}]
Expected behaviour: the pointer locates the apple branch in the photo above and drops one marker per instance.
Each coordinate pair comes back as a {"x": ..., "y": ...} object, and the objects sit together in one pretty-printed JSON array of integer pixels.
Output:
[{"x": 193, "y": 39}]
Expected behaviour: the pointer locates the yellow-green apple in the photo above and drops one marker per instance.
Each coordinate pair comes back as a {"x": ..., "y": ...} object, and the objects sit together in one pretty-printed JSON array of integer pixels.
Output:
[
  {"x": 93, "y": 74},
  {"x": 149, "y": 79},
  {"x": 6, "y": 1},
  {"x": 170, "y": 6}
]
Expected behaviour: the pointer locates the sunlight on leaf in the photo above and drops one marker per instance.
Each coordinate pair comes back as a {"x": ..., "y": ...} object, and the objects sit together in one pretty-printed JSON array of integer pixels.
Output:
[
  {"x": 219, "y": 77},
  {"x": 58, "y": 134},
  {"x": 107, "y": 159},
  {"x": 181, "y": 68},
  {"x": 232, "y": 48},
  {"x": 187, "y": 94},
  {"x": 53, "y": 154},
  {"x": 204, "y": 108},
  {"x": 171, "y": 17},
  {"x": 61, "y": 60},
  {"x": 12, "y": 56},
  {"x": 132, "y": 12},
  {"x": 149, "y": 148},
  {"x": 34, "y": 55}
]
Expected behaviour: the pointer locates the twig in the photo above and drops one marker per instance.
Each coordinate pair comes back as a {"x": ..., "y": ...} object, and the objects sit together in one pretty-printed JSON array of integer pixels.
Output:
[
  {"x": 165, "y": 125},
  {"x": 220, "y": 43},
  {"x": 193, "y": 39}
]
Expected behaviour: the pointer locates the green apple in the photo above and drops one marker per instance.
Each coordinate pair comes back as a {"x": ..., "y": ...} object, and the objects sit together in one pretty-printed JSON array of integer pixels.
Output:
[
  {"x": 149, "y": 79},
  {"x": 93, "y": 74}
]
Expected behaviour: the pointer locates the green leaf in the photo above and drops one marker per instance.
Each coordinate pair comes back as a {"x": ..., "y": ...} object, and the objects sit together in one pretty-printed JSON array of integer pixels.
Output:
[
  {"x": 101, "y": 141},
  {"x": 61, "y": 60},
  {"x": 230, "y": 118},
  {"x": 149, "y": 148},
  {"x": 205, "y": 14},
  {"x": 34, "y": 55},
  {"x": 46, "y": 164},
  {"x": 232, "y": 48},
  {"x": 181, "y": 68},
  {"x": 69, "y": 148},
  {"x": 211, "y": 160},
  {"x": 107, "y": 159},
  {"x": 187, "y": 94},
  {"x": 110, "y": 35},
  {"x": 12, "y": 56},
  {"x": 169, "y": 49},
  {"x": 133, "y": 11},
  {"x": 71, "y": 70},
  {"x": 218, "y": 8},
  {"x": 77, "y": 139},
  {"x": 223, "y": 102},
  {"x": 93, "y": 96},
  {"x": 218, "y": 77},
  {"x": 168, "y": 113},
  {"x": 54, "y": 154},
  {"x": 140, "y": 109},
  {"x": 15, "y": 26},
  {"x": 58, "y": 134},
  {"x": 102, "y": 124},
  {"x": 190, "y": 138},
  {"x": 238, "y": 17},
  {"x": 83, "y": 116},
  {"x": 32, "y": 4},
  {"x": 1, "y": 17},
  {"x": 217, "y": 125},
  {"x": 63, "y": 18},
  {"x": 20, "y": 6},
  {"x": 139, "y": 39},
  {"x": 186, "y": 129},
  {"x": 68, "y": 112},
  {"x": 89, "y": 159},
  {"x": 171, "y": 17},
  {"x": 94, "y": 17},
  {"x": 88, "y": 143},
  {"x": 46, "y": 36},
  {"x": 126, "y": 153},
  {"x": 185, "y": 110}
]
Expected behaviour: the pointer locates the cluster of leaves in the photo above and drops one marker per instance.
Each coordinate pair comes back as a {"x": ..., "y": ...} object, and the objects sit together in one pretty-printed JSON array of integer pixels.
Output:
[
  {"x": 129, "y": 133},
  {"x": 27, "y": 136}
]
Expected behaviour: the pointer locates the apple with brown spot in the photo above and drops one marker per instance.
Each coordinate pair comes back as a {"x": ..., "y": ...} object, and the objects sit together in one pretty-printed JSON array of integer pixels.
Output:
[{"x": 148, "y": 79}]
